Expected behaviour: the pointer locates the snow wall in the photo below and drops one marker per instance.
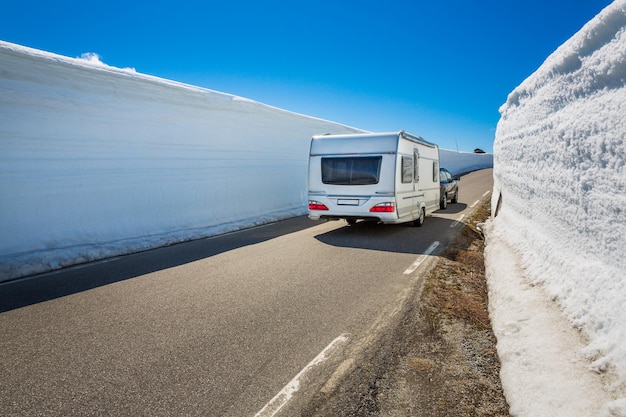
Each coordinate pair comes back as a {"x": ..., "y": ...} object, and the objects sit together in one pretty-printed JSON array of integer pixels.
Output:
[
  {"x": 460, "y": 163},
  {"x": 97, "y": 161},
  {"x": 560, "y": 183}
]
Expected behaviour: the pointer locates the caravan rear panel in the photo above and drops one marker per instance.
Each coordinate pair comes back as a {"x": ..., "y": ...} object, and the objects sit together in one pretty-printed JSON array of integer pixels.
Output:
[{"x": 379, "y": 177}]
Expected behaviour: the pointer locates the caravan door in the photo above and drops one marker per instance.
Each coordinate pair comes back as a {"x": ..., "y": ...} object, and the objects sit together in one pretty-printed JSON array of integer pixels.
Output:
[
  {"x": 406, "y": 187},
  {"x": 417, "y": 196}
]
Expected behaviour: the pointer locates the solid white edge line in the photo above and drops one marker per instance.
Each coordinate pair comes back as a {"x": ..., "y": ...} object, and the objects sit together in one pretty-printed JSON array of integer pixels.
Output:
[
  {"x": 275, "y": 404},
  {"x": 421, "y": 258}
]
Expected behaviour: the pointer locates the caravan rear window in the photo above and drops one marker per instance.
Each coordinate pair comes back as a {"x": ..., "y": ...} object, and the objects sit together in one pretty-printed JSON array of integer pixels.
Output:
[{"x": 358, "y": 170}]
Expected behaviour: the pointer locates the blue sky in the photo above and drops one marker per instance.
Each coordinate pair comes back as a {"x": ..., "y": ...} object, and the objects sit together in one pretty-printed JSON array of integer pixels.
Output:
[{"x": 438, "y": 69}]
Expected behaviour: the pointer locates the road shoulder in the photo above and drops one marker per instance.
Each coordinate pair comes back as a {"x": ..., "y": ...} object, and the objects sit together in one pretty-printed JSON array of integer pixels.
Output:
[{"x": 439, "y": 359}]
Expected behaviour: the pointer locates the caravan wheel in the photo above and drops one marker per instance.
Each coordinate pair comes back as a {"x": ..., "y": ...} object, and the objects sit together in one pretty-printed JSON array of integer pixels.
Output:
[{"x": 420, "y": 220}]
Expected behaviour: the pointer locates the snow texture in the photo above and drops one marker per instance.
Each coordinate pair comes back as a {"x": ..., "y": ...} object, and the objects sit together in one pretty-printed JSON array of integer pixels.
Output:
[
  {"x": 97, "y": 161},
  {"x": 556, "y": 246}
]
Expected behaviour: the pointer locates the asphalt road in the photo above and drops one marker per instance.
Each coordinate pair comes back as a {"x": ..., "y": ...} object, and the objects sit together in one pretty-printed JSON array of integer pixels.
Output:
[{"x": 236, "y": 325}]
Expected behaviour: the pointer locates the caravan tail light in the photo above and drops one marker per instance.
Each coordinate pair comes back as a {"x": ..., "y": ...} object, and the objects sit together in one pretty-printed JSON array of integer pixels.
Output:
[
  {"x": 316, "y": 205},
  {"x": 383, "y": 208}
]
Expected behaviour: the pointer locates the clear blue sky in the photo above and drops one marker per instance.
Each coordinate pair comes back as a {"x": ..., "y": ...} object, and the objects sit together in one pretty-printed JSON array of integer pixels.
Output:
[{"x": 440, "y": 69}]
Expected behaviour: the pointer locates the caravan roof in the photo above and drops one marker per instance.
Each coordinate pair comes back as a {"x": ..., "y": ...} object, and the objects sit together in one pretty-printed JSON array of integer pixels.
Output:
[{"x": 361, "y": 143}]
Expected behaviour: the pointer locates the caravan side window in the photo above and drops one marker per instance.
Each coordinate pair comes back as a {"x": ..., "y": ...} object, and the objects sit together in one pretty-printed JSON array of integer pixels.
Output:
[
  {"x": 416, "y": 167},
  {"x": 407, "y": 169}
]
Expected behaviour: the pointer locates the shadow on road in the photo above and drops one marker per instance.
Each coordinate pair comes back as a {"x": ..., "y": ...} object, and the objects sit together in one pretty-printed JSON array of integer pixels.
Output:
[
  {"x": 48, "y": 286},
  {"x": 400, "y": 238},
  {"x": 453, "y": 208}
]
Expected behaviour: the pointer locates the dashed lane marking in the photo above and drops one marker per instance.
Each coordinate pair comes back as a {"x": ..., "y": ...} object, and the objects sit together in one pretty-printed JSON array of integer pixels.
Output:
[
  {"x": 458, "y": 221},
  {"x": 421, "y": 258}
]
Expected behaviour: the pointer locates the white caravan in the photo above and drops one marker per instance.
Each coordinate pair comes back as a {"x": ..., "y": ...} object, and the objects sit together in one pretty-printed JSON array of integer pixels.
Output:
[{"x": 383, "y": 177}]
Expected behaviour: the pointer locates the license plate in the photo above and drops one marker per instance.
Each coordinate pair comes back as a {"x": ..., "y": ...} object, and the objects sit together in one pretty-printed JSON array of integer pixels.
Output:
[{"x": 347, "y": 202}]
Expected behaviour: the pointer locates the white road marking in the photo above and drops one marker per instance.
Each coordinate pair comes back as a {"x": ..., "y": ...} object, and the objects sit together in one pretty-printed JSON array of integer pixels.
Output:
[
  {"x": 486, "y": 192},
  {"x": 475, "y": 203},
  {"x": 421, "y": 258},
  {"x": 283, "y": 397},
  {"x": 458, "y": 221}
]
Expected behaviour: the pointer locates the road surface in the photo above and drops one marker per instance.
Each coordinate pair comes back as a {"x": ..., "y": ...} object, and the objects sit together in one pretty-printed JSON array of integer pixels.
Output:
[{"x": 246, "y": 324}]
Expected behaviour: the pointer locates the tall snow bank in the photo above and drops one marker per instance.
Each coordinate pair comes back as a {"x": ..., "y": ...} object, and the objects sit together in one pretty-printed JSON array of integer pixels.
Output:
[
  {"x": 97, "y": 161},
  {"x": 459, "y": 163},
  {"x": 560, "y": 190}
]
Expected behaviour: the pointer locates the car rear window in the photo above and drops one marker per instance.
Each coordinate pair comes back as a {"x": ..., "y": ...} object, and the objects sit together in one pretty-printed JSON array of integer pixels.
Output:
[{"x": 361, "y": 170}]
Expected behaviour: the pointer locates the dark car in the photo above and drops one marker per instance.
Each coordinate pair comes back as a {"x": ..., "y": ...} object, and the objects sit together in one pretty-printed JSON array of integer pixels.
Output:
[{"x": 449, "y": 188}]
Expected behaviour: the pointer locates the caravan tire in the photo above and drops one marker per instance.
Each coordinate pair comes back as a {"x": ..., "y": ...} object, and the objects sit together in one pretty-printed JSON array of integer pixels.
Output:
[
  {"x": 420, "y": 220},
  {"x": 444, "y": 202}
]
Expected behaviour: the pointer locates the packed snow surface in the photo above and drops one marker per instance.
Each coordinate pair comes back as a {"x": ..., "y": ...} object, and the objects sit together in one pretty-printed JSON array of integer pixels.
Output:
[
  {"x": 556, "y": 248},
  {"x": 97, "y": 161}
]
